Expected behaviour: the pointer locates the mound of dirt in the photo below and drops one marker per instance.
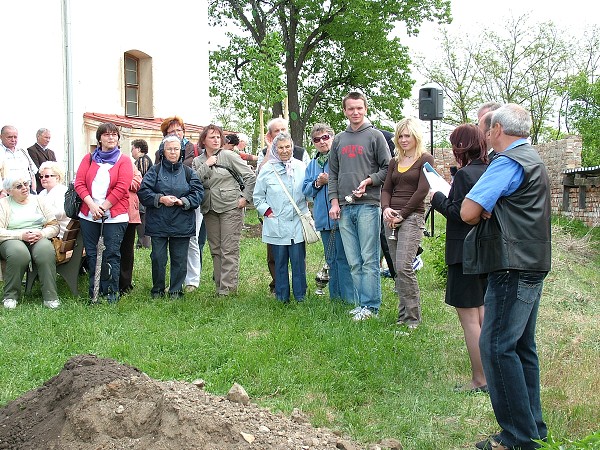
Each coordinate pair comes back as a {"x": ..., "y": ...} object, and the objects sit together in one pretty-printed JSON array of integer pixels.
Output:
[{"x": 96, "y": 404}]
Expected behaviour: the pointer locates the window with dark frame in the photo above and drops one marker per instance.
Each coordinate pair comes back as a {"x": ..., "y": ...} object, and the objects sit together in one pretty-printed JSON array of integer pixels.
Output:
[{"x": 132, "y": 87}]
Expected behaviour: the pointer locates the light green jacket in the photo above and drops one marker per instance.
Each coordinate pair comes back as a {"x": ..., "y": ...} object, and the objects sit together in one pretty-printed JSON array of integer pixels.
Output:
[{"x": 50, "y": 229}]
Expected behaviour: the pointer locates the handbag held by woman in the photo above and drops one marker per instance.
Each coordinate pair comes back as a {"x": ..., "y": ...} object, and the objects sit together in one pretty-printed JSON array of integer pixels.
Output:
[{"x": 311, "y": 235}]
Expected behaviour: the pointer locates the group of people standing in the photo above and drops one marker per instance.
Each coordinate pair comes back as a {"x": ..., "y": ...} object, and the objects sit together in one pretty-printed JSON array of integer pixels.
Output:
[
  {"x": 184, "y": 191},
  {"x": 497, "y": 228},
  {"x": 498, "y": 239}
]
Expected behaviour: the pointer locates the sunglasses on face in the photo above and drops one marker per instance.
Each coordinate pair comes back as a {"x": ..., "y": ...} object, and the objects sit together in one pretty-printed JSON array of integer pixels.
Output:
[
  {"x": 47, "y": 176},
  {"x": 323, "y": 138},
  {"x": 20, "y": 185}
]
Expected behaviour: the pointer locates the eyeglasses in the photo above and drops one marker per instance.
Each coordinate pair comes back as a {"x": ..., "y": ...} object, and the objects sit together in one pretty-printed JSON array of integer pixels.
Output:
[
  {"x": 24, "y": 183},
  {"x": 47, "y": 176},
  {"x": 172, "y": 150},
  {"x": 323, "y": 138}
]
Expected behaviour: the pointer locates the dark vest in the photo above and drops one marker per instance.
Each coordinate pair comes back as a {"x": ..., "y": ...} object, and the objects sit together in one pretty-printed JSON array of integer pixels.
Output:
[{"x": 517, "y": 236}]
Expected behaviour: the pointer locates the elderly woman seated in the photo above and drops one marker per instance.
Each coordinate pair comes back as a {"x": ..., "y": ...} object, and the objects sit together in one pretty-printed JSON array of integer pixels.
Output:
[
  {"x": 52, "y": 177},
  {"x": 26, "y": 226}
]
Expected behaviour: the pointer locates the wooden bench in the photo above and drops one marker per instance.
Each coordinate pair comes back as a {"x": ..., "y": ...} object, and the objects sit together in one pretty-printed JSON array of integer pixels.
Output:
[{"x": 72, "y": 246}]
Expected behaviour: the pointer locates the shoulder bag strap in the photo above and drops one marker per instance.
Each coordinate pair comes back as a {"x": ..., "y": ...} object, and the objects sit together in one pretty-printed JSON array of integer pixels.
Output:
[
  {"x": 234, "y": 173},
  {"x": 287, "y": 193}
]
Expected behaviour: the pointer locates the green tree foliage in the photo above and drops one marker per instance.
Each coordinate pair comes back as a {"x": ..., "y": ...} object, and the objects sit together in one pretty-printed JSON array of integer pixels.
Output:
[
  {"x": 456, "y": 71},
  {"x": 313, "y": 52},
  {"x": 584, "y": 113},
  {"x": 582, "y": 102}
]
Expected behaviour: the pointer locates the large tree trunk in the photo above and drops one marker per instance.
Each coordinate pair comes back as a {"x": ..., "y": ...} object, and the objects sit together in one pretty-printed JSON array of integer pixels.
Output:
[
  {"x": 297, "y": 123},
  {"x": 277, "y": 110}
]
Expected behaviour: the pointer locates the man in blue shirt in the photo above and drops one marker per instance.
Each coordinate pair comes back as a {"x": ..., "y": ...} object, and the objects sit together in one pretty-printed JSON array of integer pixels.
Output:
[{"x": 511, "y": 244}]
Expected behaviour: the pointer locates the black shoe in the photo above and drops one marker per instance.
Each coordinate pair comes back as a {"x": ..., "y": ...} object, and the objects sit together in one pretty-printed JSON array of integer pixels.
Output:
[
  {"x": 467, "y": 389},
  {"x": 126, "y": 290},
  {"x": 491, "y": 443}
]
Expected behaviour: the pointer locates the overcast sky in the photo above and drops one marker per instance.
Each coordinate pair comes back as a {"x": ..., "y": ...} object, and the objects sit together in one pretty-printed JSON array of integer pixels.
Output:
[{"x": 475, "y": 16}]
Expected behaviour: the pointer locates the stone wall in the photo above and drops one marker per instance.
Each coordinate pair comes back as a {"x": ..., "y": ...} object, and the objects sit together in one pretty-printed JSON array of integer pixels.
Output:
[{"x": 558, "y": 157}]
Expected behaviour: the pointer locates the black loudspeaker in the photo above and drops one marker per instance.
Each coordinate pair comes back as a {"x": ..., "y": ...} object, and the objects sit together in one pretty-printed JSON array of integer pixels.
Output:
[{"x": 431, "y": 103}]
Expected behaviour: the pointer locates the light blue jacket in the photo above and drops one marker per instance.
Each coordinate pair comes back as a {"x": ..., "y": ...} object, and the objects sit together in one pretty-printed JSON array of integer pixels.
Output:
[{"x": 268, "y": 193}]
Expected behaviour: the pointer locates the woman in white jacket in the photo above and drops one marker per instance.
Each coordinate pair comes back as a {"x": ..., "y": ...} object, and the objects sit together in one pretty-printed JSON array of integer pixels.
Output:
[{"x": 282, "y": 227}]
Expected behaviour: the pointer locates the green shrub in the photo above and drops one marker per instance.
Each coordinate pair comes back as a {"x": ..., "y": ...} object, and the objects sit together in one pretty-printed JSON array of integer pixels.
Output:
[
  {"x": 590, "y": 442},
  {"x": 436, "y": 248}
]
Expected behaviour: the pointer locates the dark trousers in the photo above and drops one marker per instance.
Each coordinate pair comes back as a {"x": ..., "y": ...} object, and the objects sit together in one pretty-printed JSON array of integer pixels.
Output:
[
  {"x": 143, "y": 240},
  {"x": 271, "y": 263},
  {"x": 177, "y": 248},
  {"x": 111, "y": 257},
  {"x": 127, "y": 254},
  {"x": 202, "y": 241},
  {"x": 385, "y": 249}
]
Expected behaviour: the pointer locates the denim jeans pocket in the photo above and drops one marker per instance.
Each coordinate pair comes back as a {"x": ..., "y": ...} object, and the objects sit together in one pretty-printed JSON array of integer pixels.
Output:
[{"x": 530, "y": 286}]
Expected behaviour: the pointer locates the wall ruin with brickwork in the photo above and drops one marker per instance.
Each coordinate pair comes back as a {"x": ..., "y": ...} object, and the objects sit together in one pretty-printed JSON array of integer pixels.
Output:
[{"x": 558, "y": 157}]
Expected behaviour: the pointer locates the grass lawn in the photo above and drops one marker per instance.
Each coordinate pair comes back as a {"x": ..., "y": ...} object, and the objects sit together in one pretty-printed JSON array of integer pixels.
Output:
[{"x": 366, "y": 379}]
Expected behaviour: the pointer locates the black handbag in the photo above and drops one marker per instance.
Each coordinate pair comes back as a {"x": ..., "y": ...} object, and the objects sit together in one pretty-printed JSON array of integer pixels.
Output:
[{"x": 73, "y": 202}]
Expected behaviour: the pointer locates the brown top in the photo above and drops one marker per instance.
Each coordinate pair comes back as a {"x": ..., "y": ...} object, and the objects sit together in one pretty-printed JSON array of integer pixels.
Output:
[{"x": 406, "y": 191}]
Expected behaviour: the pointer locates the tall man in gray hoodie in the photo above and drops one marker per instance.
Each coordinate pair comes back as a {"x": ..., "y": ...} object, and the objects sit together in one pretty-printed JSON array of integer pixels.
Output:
[{"x": 358, "y": 163}]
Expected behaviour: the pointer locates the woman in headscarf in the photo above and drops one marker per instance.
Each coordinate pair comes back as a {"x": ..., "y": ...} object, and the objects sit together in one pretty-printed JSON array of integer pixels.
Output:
[{"x": 282, "y": 227}]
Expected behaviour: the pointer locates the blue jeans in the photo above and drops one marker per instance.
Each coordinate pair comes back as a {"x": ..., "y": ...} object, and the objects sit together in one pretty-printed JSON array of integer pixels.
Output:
[
  {"x": 340, "y": 279},
  {"x": 178, "y": 251},
  {"x": 111, "y": 257},
  {"x": 509, "y": 356},
  {"x": 296, "y": 255},
  {"x": 359, "y": 227}
]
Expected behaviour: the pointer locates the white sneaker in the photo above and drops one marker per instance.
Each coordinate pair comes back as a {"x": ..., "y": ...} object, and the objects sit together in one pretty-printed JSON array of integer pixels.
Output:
[
  {"x": 355, "y": 311},
  {"x": 364, "y": 314},
  {"x": 417, "y": 263},
  {"x": 52, "y": 304},
  {"x": 10, "y": 303}
]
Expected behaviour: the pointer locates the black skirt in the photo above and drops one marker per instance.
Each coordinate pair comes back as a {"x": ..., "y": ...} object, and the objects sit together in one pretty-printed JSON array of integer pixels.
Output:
[{"x": 464, "y": 291}]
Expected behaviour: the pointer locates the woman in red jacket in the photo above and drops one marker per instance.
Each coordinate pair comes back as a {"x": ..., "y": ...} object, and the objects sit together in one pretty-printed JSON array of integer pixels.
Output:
[{"x": 102, "y": 181}]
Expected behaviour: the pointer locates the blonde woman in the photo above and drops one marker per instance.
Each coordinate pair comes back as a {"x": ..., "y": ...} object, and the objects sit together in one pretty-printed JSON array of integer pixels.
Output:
[
  {"x": 52, "y": 177},
  {"x": 403, "y": 204}
]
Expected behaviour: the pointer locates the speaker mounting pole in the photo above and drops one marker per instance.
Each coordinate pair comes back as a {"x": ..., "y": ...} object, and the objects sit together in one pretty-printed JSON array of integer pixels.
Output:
[{"x": 431, "y": 107}]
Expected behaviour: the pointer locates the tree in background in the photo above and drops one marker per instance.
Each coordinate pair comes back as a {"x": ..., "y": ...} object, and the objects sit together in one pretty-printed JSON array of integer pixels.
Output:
[
  {"x": 582, "y": 105},
  {"x": 313, "y": 52},
  {"x": 584, "y": 113},
  {"x": 457, "y": 73},
  {"x": 522, "y": 63}
]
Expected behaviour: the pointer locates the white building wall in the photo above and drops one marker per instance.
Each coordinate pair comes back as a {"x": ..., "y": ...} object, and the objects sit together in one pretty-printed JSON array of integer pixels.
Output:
[
  {"x": 32, "y": 84},
  {"x": 31, "y": 76}
]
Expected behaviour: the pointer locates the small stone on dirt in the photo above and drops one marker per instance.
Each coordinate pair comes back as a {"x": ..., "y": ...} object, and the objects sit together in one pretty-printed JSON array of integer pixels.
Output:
[{"x": 238, "y": 394}]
